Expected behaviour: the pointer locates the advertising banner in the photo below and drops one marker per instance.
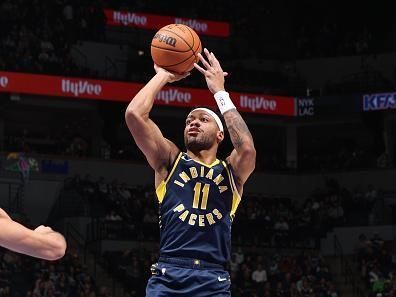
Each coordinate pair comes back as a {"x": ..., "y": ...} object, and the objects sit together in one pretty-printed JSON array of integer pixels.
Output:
[
  {"x": 155, "y": 22},
  {"x": 82, "y": 88},
  {"x": 379, "y": 101},
  {"x": 328, "y": 105}
]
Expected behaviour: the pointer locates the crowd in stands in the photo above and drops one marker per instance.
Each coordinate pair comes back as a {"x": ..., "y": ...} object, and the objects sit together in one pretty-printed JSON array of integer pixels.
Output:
[
  {"x": 121, "y": 211},
  {"x": 78, "y": 136},
  {"x": 65, "y": 139},
  {"x": 331, "y": 32},
  {"x": 252, "y": 273},
  {"x": 38, "y": 36},
  {"x": 23, "y": 276},
  {"x": 280, "y": 275},
  {"x": 336, "y": 154},
  {"x": 377, "y": 266},
  {"x": 320, "y": 35},
  {"x": 346, "y": 147}
]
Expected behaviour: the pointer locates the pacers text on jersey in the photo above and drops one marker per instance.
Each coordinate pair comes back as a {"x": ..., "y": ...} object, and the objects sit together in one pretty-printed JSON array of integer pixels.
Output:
[{"x": 212, "y": 216}]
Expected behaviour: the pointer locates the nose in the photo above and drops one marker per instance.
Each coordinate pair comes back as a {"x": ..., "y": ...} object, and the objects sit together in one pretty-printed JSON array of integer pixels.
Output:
[{"x": 195, "y": 123}]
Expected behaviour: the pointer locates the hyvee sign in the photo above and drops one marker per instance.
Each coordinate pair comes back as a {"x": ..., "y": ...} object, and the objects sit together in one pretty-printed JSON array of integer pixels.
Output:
[
  {"x": 155, "y": 22},
  {"x": 76, "y": 88}
]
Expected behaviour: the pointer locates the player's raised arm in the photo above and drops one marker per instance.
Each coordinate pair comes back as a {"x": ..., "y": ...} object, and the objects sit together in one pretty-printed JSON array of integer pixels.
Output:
[
  {"x": 43, "y": 242},
  {"x": 243, "y": 157},
  {"x": 159, "y": 151}
]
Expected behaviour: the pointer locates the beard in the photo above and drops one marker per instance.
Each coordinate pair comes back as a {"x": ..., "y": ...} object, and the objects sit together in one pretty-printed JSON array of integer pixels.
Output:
[{"x": 196, "y": 144}]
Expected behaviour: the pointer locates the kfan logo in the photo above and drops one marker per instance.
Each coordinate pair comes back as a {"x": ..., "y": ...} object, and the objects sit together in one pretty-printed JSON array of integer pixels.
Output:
[{"x": 379, "y": 101}]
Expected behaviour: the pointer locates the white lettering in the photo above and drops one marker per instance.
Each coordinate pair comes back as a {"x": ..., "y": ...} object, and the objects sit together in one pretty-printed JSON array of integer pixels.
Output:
[
  {"x": 3, "y": 81},
  {"x": 305, "y": 102},
  {"x": 254, "y": 103},
  {"x": 172, "y": 95},
  {"x": 81, "y": 87},
  {"x": 194, "y": 24},
  {"x": 129, "y": 18},
  {"x": 305, "y": 107},
  {"x": 310, "y": 111}
]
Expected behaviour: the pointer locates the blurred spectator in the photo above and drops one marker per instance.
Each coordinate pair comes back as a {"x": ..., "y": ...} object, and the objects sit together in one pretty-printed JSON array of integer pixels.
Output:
[
  {"x": 259, "y": 275},
  {"x": 113, "y": 216}
]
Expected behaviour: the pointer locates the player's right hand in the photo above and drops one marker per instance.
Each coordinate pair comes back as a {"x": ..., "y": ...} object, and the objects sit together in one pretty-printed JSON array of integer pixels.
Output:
[{"x": 171, "y": 76}]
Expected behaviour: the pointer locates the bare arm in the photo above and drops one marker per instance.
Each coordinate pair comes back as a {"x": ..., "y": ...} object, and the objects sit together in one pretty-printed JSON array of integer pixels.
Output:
[
  {"x": 42, "y": 242},
  {"x": 159, "y": 151},
  {"x": 243, "y": 157}
]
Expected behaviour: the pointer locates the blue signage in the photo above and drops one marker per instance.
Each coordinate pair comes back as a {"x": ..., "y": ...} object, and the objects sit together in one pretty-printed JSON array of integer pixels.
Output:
[
  {"x": 57, "y": 167},
  {"x": 379, "y": 101}
]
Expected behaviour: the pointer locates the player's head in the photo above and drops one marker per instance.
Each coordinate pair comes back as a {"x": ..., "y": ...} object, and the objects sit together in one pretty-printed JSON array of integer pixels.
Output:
[{"x": 203, "y": 130}]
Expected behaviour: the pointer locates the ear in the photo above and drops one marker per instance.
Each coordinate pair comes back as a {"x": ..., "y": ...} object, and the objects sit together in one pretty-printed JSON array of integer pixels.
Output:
[{"x": 219, "y": 136}]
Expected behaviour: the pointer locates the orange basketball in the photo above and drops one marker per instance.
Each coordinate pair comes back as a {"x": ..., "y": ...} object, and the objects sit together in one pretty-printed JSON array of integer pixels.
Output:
[{"x": 175, "y": 47}]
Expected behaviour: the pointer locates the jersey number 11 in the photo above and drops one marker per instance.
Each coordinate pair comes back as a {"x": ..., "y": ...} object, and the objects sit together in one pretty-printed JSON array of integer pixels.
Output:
[{"x": 197, "y": 195}]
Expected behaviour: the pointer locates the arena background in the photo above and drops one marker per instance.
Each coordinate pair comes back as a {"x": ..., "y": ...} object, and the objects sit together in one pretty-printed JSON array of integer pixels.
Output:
[{"x": 316, "y": 83}]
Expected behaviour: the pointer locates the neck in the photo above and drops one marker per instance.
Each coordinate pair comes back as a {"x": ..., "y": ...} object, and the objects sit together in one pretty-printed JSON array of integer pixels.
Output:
[{"x": 204, "y": 156}]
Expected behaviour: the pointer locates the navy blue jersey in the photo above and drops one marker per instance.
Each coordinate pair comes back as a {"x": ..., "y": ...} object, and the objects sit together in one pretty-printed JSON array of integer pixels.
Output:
[{"x": 197, "y": 206}]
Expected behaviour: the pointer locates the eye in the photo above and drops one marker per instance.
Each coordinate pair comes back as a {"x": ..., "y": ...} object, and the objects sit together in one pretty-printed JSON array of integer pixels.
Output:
[
  {"x": 205, "y": 120},
  {"x": 188, "y": 122}
]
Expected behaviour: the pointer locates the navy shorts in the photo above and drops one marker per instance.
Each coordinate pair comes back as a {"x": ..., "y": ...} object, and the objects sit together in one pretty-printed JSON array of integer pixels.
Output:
[{"x": 176, "y": 277}]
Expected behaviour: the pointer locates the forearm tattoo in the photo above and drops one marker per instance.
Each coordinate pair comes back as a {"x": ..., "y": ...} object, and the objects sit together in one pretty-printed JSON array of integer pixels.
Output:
[{"x": 239, "y": 132}]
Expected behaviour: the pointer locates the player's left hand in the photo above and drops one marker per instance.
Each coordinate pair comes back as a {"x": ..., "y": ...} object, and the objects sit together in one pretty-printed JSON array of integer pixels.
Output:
[
  {"x": 170, "y": 76},
  {"x": 214, "y": 74}
]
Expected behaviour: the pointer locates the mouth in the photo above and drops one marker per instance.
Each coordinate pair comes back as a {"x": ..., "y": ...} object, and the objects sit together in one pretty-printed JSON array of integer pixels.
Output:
[{"x": 193, "y": 131}]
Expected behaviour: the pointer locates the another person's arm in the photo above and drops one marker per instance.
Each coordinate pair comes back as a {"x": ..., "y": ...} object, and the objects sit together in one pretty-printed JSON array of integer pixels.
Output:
[
  {"x": 243, "y": 157},
  {"x": 159, "y": 151},
  {"x": 42, "y": 242}
]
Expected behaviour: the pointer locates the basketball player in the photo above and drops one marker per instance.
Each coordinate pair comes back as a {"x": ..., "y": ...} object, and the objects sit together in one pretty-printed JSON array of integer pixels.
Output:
[
  {"x": 198, "y": 194},
  {"x": 42, "y": 242}
]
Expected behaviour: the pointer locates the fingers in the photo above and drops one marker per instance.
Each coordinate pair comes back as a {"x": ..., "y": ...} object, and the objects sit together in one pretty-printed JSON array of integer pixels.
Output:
[
  {"x": 209, "y": 56},
  {"x": 200, "y": 69},
  {"x": 202, "y": 59},
  {"x": 176, "y": 76},
  {"x": 215, "y": 62}
]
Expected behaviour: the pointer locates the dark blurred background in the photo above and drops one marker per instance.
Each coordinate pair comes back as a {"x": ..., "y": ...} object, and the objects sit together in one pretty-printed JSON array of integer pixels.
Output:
[{"x": 317, "y": 217}]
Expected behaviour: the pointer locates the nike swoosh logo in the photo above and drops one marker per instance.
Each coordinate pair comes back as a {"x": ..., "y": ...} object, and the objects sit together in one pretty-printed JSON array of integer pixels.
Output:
[{"x": 220, "y": 279}]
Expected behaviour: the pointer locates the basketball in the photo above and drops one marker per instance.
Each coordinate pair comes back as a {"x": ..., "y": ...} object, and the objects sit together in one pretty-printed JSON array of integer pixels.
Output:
[{"x": 175, "y": 48}]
